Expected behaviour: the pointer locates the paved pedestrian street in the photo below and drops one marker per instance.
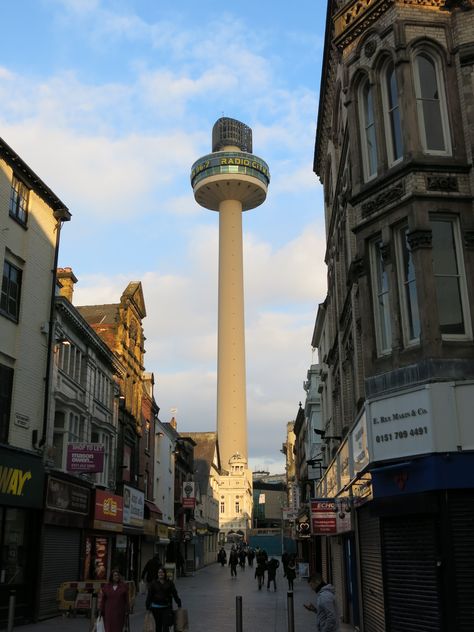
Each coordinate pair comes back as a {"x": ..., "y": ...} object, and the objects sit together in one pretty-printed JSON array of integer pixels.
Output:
[{"x": 210, "y": 598}]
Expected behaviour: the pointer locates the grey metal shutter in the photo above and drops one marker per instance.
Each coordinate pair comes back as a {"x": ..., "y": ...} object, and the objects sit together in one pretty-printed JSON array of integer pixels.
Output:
[
  {"x": 371, "y": 571},
  {"x": 461, "y": 519},
  {"x": 338, "y": 571},
  {"x": 324, "y": 558},
  {"x": 60, "y": 563},
  {"x": 412, "y": 591}
]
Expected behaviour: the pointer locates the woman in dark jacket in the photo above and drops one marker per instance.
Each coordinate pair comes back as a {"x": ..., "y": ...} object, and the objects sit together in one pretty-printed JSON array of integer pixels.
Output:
[{"x": 159, "y": 600}]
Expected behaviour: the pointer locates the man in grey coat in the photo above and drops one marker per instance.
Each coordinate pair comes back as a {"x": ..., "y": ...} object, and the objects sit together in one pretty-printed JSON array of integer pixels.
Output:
[{"x": 327, "y": 618}]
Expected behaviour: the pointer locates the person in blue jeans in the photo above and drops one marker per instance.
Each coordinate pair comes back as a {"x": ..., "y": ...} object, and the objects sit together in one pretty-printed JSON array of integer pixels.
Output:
[{"x": 161, "y": 593}]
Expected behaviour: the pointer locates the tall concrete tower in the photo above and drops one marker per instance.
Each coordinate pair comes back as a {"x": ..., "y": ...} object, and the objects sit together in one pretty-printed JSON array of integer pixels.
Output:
[{"x": 231, "y": 180}]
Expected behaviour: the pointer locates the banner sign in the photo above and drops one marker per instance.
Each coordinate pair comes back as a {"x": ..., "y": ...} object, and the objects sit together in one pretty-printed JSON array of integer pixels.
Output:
[
  {"x": 133, "y": 506},
  {"x": 85, "y": 457},
  {"x": 328, "y": 517},
  {"x": 189, "y": 496}
]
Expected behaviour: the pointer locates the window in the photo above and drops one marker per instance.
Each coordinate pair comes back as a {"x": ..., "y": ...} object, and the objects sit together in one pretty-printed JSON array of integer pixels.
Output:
[
  {"x": 368, "y": 131},
  {"x": 70, "y": 360},
  {"x": 11, "y": 289},
  {"x": 431, "y": 104},
  {"x": 237, "y": 507},
  {"x": 407, "y": 287},
  {"x": 97, "y": 436},
  {"x": 222, "y": 507},
  {"x": 450, "y": 278},
  {"x": 19, "y": 195},
  {"x": 380, "y": 285},
  {"x": 392, "y": 114},
  {"x": 6, "y": 386}
]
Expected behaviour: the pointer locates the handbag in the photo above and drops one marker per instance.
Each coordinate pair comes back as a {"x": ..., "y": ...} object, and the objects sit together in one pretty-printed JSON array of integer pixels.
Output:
[
  {"x": 99, "y": 624},
  {"x": 149, "y": 623},
  {"x": 181, "y": 623}
]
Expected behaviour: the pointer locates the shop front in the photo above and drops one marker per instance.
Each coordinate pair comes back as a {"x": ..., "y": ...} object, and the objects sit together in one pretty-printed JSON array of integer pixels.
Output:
[
  {"x": 133, "y": 523},
  {"x": 150, "y": 538},
  {"x": 104, "y": 546},
  {"x": 66, "y": 515},
  {"x": 21, "y": 501}
]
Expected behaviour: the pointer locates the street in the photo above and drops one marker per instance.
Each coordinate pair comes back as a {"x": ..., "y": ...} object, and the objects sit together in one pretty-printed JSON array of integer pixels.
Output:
[{"x": 210, "y": 598}]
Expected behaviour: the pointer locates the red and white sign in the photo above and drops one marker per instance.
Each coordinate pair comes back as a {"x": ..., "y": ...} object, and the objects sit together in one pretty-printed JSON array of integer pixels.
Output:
[
  {"x": 323, "y": 517},
  {"x": 108, "y": 507},
  {"x": 189, "y": 495}
]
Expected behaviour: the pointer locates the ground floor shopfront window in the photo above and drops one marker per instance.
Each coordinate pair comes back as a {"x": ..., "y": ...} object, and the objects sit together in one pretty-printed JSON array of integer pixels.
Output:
[{"x": 14, "y": 545}]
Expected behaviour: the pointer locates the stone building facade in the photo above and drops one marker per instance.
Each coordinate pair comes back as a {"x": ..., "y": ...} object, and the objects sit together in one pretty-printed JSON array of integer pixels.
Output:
[{"x": 394, "y": 150}]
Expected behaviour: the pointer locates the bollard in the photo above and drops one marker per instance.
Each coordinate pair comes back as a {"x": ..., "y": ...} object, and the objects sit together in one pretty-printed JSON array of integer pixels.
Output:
[
  {"x": 238, "y": 614},
  {"x": 291, "y": 612},
  {"x": 11, "y": 611}
]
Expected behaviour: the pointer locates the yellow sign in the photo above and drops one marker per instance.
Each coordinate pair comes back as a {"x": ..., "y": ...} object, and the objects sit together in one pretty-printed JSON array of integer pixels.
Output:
[{"x": 12, "y": 480}]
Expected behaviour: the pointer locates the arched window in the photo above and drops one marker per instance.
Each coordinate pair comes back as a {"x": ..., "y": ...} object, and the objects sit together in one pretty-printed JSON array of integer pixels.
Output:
[
  {"x": 367, "y": 129},
  {"x": 393, "y": 125},
  {"x": 431, "y": 104}
]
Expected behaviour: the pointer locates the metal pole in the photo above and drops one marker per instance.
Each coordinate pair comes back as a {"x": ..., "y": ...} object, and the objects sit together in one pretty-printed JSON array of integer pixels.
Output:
[
  {"x": 238, "y": 614},
  {"x": 11, "y": 611},
  {"x": 291, "y": 612}
]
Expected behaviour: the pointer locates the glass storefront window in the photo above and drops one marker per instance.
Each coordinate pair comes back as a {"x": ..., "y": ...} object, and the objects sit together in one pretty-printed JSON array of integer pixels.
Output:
[{"x": 13, "y": 540}]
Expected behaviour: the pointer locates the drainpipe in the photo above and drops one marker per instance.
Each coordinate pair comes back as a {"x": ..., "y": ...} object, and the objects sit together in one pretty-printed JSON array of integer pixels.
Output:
[{"x": 60, "y": 215}]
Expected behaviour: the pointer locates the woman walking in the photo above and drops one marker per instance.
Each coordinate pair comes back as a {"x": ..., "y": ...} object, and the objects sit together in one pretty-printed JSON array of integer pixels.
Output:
[
  {"x": 159, "y": 600},
  {"x": 291, "y": 573},
  {"x": 114, "y": 604}
]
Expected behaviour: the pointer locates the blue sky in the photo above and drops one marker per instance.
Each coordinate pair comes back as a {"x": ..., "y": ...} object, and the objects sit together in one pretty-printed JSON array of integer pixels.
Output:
[{"x": 110, "y": 103}]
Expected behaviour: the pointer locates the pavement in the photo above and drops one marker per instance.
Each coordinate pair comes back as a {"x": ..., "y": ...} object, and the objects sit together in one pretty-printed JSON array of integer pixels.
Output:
[{"x": 210, "y": 596}]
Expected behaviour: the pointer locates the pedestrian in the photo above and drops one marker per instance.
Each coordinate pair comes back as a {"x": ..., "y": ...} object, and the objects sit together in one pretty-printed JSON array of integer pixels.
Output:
[
  {"x": 327, "y": 619},
  {"x": 250, "y": 556},
  {"x": 222, "y": 556},
  {"x": 180, "y": 564},
  {"x": 260, "y": 575},
  {"x": 151, "y": 568},
  {"x": 233, "y": 561},
  {"x": 291, "y": 572},
  {"x": 114, "y": 605},
  {"x": 242, "y": 558},
  {"x": 272, "y": 566},
  {"x": 285, "y": 558},
  {"x": 159, "y": 600}
]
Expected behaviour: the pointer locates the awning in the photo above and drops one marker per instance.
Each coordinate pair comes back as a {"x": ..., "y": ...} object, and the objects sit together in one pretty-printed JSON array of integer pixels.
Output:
[{"x": 152, "y": 510}]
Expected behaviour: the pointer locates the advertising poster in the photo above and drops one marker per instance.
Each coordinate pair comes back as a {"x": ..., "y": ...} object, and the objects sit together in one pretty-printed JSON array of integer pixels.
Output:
[{"x": 85, "y": 457}]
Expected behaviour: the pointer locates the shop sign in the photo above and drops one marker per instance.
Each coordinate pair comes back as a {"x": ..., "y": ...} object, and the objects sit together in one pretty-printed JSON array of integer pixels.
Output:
[
  {"x": 23, "y": 421},
  {"x": 133, "y": 506},
  {"x": 163, "y": 532},
  {"x": 323, "y": 517},
  {"x": 85, "y": 457},
  {"x": 401, "y": 426},
  {"x": 343, "y": 460},
  {"x": 359, "y": 445},
  {"x": 332, "y": 484},
  {"x": 189, "y": 497},
  {"x": 65, "y": 496},
  {"x": 108, "y": 507},
  {"x": 21, "y": 479}
]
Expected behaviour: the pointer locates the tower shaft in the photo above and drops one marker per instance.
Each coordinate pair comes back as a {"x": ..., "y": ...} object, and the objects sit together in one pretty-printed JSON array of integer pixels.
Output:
[{"x": 231, "y": 380}]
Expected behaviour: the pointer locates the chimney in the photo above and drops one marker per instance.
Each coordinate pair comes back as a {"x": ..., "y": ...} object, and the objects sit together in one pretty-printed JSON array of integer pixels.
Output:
[
  {"x": 173, "y": 423},
  {"x": 66, "y": 279}
]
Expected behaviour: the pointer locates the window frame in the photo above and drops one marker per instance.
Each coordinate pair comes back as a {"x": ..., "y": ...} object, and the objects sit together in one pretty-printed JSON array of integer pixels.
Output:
[
  {"x": 387, "y": 70},
  {"x": 7, "y": 375},
  {"x": 374, "y": 247},
  {"x": 462, "y": 279},
  {"x": 364, "y": 84},
  {"x": 435, "y": 59},
  {"x": 5, "y": 312},
  {"x": 17, "y": 194},
  {"x": 401, "y": 235}
]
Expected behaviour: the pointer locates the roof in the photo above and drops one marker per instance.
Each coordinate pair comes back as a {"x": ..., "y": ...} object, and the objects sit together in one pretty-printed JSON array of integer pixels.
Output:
[
  {"x": 32, "y": 180},
  {"x": 99, "y": 314}
]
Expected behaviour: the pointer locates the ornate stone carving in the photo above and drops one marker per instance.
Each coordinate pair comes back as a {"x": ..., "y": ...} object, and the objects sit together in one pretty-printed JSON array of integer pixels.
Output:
[
  {"x": 357, "y": 18},
  {"x": 370, "y": 48},
  {"x": 442, "y": 183},
  {"x": 356, "y": 270},
  {"x": 383, "y": 198},
  {"x": 419, "y": 239}
]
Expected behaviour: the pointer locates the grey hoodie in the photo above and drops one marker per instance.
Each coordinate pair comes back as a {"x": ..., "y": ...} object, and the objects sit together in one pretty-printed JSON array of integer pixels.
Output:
[{"x": 327, "y": 619}]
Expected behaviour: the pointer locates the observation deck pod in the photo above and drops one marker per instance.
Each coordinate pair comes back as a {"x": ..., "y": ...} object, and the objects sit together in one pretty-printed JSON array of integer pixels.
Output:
[{"x": 231, "y": 172}]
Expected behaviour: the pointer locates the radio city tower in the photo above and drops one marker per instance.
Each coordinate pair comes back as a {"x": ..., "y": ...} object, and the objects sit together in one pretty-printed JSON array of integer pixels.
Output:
[{"x": 230, "y": 180}]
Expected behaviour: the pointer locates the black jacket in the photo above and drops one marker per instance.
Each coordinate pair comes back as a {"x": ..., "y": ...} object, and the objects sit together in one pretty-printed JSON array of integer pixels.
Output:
[{"x": 162, "y": 594}]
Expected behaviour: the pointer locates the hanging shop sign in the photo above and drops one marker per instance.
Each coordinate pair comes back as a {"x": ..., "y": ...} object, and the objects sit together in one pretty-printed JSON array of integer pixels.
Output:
[
  {"x": 359, "y": 445},
  {"x": 189, "y": 496},
  {"x": 85, "y": 457},
  {"x": 21, "y": 479},
  {"x": 330, "y": 516},
  {"x": 108, "y": 511},
  {"x": 133, "y": 506},
  {"x": 64, "y": 496}
]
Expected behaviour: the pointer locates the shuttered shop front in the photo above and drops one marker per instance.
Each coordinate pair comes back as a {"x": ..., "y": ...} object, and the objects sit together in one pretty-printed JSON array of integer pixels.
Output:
[
  {"x": 461, "y": 522},
  {"x": 60, "y": 563},
  {"x": 371, "y": 571}
]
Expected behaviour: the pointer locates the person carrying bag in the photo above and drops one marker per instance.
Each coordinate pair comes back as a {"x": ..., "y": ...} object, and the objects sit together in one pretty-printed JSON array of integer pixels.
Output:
[{"x": 159, "y": 601}]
